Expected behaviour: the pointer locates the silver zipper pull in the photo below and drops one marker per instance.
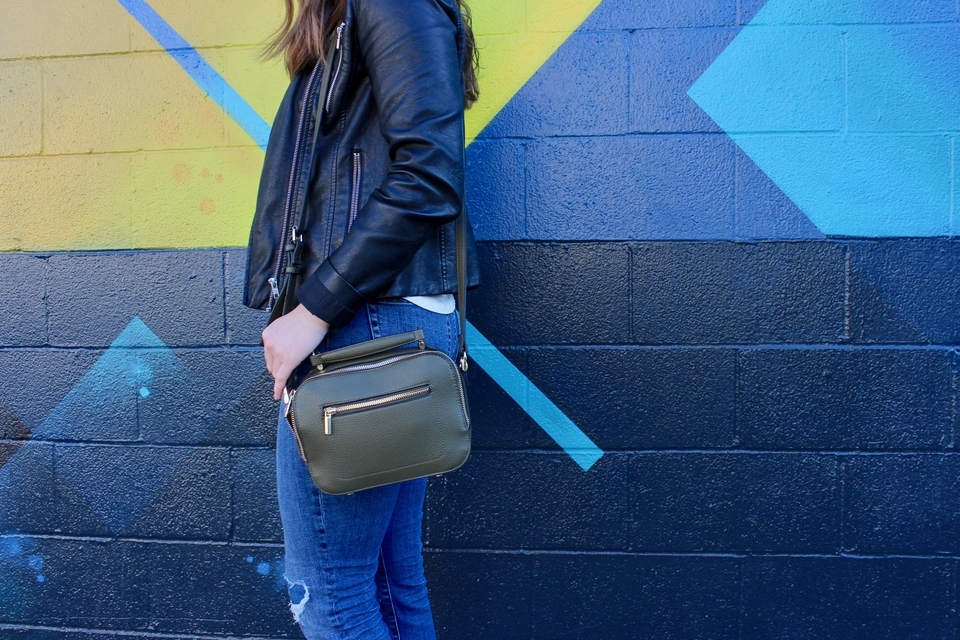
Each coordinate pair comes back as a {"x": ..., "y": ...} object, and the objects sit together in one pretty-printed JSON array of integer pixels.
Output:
[
  {"x": 328, "y": 420},
  {"x": 274, "y": 290},
  {"x": 340, "y": 33}
]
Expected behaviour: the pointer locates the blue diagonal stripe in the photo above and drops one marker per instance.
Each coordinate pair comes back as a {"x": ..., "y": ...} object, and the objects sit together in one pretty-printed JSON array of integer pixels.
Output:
[
  {"x": 206, "y": 77},
  {"x": 557, "y": 425}
]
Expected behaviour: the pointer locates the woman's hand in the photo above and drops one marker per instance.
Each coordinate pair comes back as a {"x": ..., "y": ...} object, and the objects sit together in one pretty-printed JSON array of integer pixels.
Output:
[{"x": 287, "y": 341}]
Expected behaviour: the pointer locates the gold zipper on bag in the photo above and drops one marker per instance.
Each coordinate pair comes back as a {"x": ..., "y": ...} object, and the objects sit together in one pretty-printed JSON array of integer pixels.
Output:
[{"x": 370, "y": 403}]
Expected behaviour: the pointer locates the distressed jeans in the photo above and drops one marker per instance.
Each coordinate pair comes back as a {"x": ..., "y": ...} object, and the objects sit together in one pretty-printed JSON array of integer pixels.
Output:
[{"x": 353, "y": 563}]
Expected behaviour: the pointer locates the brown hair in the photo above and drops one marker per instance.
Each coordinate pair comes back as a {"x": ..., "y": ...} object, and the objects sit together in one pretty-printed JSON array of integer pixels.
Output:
[{"x": 308, "y": 24}]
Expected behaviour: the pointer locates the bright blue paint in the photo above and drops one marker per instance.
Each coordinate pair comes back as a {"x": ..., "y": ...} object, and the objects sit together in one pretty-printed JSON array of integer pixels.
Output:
[
  {"x": 116, "y": 483},
  {"x": 144, "y": 392},
  {"x": 250, "y": 559},
  {"x": 263, "y": 568},
  {"x": 870, "y": 157},
  {"x": 557, "y": 425},
  {"x": 211, "y": 82}
]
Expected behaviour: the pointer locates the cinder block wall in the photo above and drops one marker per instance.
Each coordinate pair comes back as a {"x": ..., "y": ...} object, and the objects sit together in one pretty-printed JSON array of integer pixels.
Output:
[{"x": 776, "y": 404}]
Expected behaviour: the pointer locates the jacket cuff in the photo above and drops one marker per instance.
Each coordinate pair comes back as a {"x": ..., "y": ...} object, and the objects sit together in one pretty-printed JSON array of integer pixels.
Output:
[{"x": 328, "y": 296}]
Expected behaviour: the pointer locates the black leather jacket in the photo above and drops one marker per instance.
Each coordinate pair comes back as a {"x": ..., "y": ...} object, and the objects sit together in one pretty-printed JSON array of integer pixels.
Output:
[{"x": 387, "y": 175}]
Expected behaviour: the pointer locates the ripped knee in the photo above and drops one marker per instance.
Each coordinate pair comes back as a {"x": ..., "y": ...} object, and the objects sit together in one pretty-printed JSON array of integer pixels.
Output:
[{"x": 299, "y": 596}]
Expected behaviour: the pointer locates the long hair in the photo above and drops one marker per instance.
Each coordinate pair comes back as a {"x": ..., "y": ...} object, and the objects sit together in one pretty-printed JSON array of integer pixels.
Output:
[{"x": 308, "y": 24}]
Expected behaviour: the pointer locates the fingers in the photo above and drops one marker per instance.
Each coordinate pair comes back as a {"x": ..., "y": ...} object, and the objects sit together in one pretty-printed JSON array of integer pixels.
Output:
[
  {"x": 280, "y": 378},
  {"x": 267, "y": 351}
]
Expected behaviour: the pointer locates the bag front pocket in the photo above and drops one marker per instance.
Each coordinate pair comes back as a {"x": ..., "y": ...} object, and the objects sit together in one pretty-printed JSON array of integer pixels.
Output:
[{"x": 370, "y": 403}]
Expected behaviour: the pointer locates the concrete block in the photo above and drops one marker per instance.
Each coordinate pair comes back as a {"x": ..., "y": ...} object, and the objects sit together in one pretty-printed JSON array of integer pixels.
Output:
[
  {"x": 194, "y": 504},
  {"x": 734, "y": 503},
  {"x": 663, "y": 65},
  {"x": 143, "y": 491},
  {"x": 498, "y": 422},
  {"x": 243, "y": 323},
  {"x": 219, "y": 589},
  {"x": 845, "y": 399},
  {"x": 480, "y": 595},
  {"x": 160, "y": 106},
  {"x": 256, "y": 515},
  {"x": 641, "y": 398},
  {"x": 186, "y": 404},
  {"x": 21, "y": 105},
  {"x": 670, "y": 14},
  {"x": 44, "y": 28},
  {"x": 262, "y": 84},
  {"x": 23, "y": 310},
  {"x": 902, "y": 504},
  {"x": 26, "y": 487},
  {"x": 214, "y": 23},
  {"x": 538, "y": 501},
  {"x": 552, "y": 294},
  {"x": 843, "y": 12},
  {"x": 91, "y": 584},
  {"x": 55, "y": 371},
  {"x": 179, "y": 295},
  {"x": 900, "y": 78},
  {"x": 835, "y": 597},
  {"x": 495, "y": 189},
  {"x": 65, "y": 202},
  {"x": 249, "y": 419},
  {"x": 764, "y": 212},
  {"x": 904, "y": 291},
  {"x": 626, "y": 596},
  {"x": 617, "y": 188},
  {"x": 194, "y": 199},
  {"x": 582, "y": 89},
  {"x": 697, "y": 292}
]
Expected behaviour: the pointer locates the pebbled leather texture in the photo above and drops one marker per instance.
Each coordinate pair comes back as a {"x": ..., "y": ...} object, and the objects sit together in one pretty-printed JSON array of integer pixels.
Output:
[
  {"x": 396, "y": 96},
  {"x": 424, "y": 435}
]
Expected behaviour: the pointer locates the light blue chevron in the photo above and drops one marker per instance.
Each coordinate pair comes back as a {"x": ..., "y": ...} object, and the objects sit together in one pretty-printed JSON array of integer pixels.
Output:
[{"x": 850, "y": 108}]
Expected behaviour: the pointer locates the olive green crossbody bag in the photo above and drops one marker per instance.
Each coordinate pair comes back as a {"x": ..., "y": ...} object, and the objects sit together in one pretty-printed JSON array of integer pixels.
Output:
[{"x": 379, "y": 411}]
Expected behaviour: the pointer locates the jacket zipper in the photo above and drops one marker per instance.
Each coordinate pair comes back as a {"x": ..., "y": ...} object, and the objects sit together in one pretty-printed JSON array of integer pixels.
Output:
[
  {"x": 274, "y": 287},
  {"x": 370, "y": 403},
  {"x": 336, "y": 73},
  {"x": 355, "y": 186}
]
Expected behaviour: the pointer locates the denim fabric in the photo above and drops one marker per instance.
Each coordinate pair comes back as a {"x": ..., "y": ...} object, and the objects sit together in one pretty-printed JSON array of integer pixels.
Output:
[{"x": 354, "y": 566}]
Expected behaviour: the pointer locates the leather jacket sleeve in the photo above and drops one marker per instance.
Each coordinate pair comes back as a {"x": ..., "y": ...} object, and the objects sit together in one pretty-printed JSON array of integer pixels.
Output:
[{"x": 409, "y": 50}]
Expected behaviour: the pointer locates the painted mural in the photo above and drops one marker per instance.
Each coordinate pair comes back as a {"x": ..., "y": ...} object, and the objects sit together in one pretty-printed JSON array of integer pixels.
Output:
[{"x": 717, "y": 340}]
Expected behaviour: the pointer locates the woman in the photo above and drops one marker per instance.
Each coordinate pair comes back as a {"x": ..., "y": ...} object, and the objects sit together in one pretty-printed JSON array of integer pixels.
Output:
[{"x": 382, "y": 187}]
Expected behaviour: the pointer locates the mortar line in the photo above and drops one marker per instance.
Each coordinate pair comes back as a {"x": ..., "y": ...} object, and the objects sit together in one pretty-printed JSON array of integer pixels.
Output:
[
  {"x": 120, "y": 632},
  {"x": 630, "y": 306},
  {"x": 953, "y": 183},
  {"x": 223, "y": 293},
  {"x": 43, "y": 106},
  {"x": 841, "y": 490},
  {"x": 846, "y": 83},
  {"x": 847, "y": 294},
  {"x": 741, "y": 600},
  {"x": 737, "y": 392},
  {"x": 736, "y": 196}
]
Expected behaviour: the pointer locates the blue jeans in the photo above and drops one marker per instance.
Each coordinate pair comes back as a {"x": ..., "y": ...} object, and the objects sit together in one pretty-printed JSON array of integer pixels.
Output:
[{"x": 353, "y": 563}]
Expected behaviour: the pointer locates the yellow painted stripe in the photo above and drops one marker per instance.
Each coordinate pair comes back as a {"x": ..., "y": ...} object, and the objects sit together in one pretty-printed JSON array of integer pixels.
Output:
[{"x": 135, "y": 148}]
